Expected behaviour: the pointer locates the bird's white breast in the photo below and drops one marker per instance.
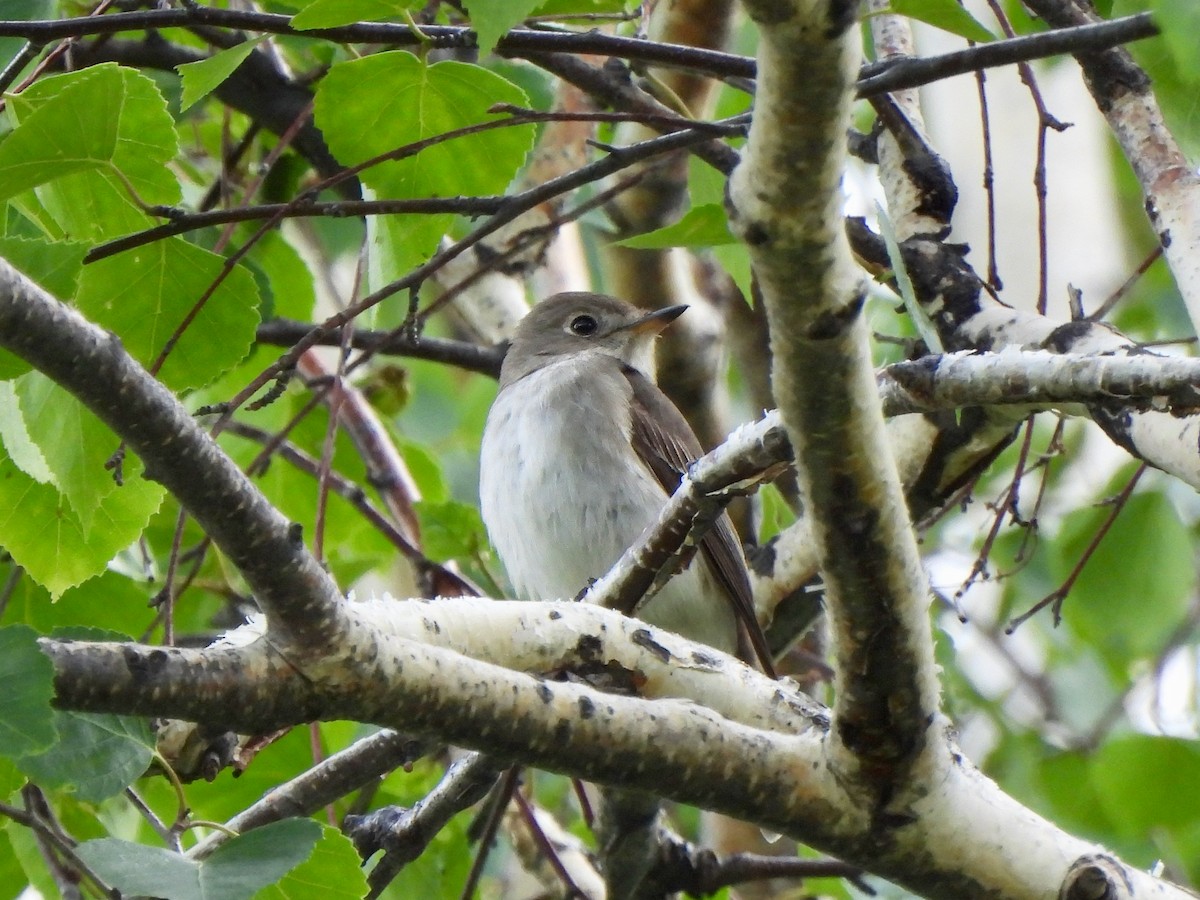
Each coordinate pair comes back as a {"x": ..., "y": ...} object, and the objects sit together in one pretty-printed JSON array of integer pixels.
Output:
[
  {"x": 563, "y": 494},
  {"x": 550, "y": 494}
]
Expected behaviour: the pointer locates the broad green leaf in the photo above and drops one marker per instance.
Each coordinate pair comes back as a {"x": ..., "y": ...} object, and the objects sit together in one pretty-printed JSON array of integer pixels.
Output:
[
  {"x": 1181, "y": 19},
  {"x": 119, "y": 749},
  {"x": 52, "y": 265},
  {"x": 1135, "y": 589},
  {"x": 333, "y": 872},
  {"x": 117, "y": 601},
  {"x": 27, "y": 853},
  {"x": 706, "y": 187},
  {"x": 1147, "y": 783},
  {"x": 290, "y": 280},
  {"x": 450, "y": 530},
  {"x": 139, "y": 870},
  {"x": 425, "y": 470},
  {"x": 492, "y": 18},
  {"x": 105, "y": 202},
  {"x": 26, "y": 718},
  {"x": 947, "y": 15},
  {"x": 77, "y": 131},
  {"x": 1067, "y": 784},
  {"x": 235, "y": 871},
  {"x": 144, "y": 295},
  {"x": 701, "y": 226},
  {"x": 15, "y": 438},
  {"x": 12, "y": 880},
  {"x": 370, "y": 106},
  {"x": 73, "y": 444},
  {"x": 331, "y": 13},
  {"x": 202, "y": 78},
  {"x": 106, "y": 120},
  {"x": 43, "y": 534},
  {"x": 10, "y": 778}
]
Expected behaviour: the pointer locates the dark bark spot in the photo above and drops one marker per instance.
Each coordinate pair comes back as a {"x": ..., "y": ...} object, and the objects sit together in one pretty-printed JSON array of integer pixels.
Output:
[
  {"x": 773, "y": 14},
  {"x": 544, "y": 693},
  {"x": 642, "y": 638},
  {"x": 755, "y": 234},
  {"x": 1063, "y": 338},
  {"x": 843, "y": 14},
  {"x": 939, "y": 194},
  {"x": 762, "y": 559},
  {"x": 562, "y": 732},
  {"x": 587, "y": 648},
  {"x": 144, "y": 666},
  {"x": 295, "y": 534},
  {"x": 1116, "y": 423},
  {"x": 703, "y": 659},
  {"x": 587, "y": 708},
  {"x": 833, "y": 324}
]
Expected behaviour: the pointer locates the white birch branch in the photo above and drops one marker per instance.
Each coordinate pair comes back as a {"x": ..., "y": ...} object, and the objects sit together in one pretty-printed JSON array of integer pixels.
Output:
[{"x": 785, "y": 201}]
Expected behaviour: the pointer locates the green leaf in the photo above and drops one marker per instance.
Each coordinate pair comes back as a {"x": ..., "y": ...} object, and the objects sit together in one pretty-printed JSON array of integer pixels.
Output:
[
  {"x": 701, "y": 226},
  {"x": 331, "y": 13},
  {"x": 16, "y": 440},
  {"x": 450, "y": 530},
  {"x": 109, "y": 122},
  {"x": 120, "y": 602},
  {"x": 947, "y": 15},
  {"x": 1075, "y": 803},
  {"x": 26, "y": 718},
  {"x": 73, "y": 444},
  {"x": 1135, "y": 589},
  {"x": 119, "y": 749},
  {"x": 143, "y": 297},
  {"x": 1147, "y": 783},
  {"x": 45, "y": 536},
  {"x": 369, "y": 106},
  {"x": 77, "y": 131},
  {"x": 424, "y": 468},
  {"x": 52, "y": 265},
  {"x": 235, "y": 871},
  {"x": 12, "y": 876},
  {"x": 1183, "y": 17},
  {"x": 492, "y": 18},
  {"x": 333, "y": 872},
  {"x": 202, "y": 78},
  {"x": 289, "y": 278}
]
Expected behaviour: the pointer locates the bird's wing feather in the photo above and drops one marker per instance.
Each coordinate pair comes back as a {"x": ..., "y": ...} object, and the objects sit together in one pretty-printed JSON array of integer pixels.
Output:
[{"x": 667, "y": 445}]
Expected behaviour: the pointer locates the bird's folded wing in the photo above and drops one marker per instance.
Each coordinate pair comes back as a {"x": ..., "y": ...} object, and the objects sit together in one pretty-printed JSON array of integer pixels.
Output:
[{"x": 667, "y": 445}]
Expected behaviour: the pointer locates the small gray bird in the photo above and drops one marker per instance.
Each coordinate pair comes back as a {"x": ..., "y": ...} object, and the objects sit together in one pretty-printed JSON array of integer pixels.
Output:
[{"x": 580, "y": 453}]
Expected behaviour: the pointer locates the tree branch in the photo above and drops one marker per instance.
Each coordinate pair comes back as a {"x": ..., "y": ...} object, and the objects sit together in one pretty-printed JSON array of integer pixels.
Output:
[
  {"x": 788, "y": 213},
  {"x": 287, "y": 582}
]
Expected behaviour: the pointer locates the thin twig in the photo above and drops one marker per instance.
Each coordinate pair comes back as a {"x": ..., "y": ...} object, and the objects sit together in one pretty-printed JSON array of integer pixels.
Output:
[{"x": 1056, "y": 597}]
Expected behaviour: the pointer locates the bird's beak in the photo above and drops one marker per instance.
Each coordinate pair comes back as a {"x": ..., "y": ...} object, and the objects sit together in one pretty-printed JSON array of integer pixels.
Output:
[{"x": 654, "y": 322}]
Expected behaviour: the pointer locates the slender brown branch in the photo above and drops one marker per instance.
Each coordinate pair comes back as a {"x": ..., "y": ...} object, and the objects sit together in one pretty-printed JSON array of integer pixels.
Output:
[
  {"x": 880, "y": 78},
  {"x": 875, "y": 78},
  {"x": 513, "y": 207}
]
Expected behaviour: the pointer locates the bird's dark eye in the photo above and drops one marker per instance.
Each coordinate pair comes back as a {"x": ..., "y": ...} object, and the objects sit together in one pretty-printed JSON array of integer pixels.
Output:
[{"x": 583, "y": 325}]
